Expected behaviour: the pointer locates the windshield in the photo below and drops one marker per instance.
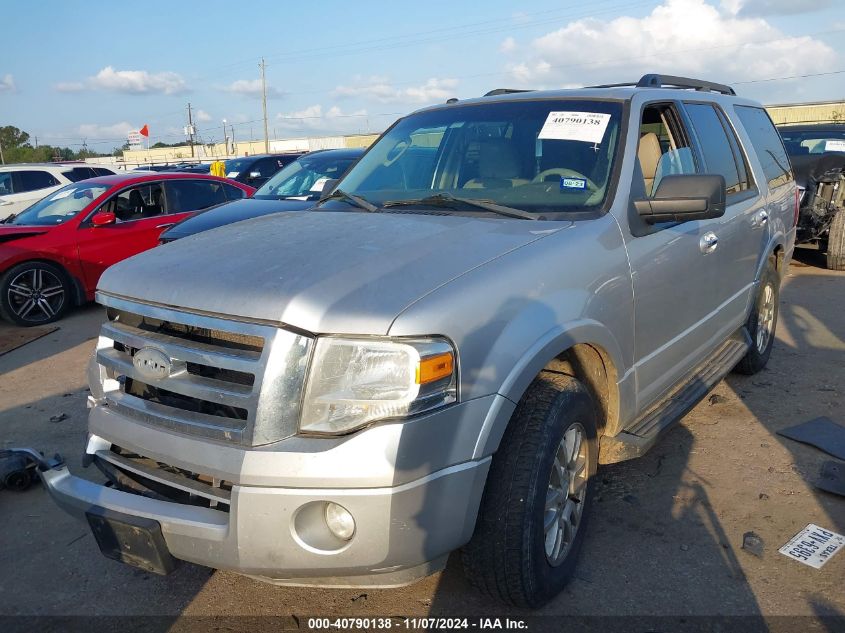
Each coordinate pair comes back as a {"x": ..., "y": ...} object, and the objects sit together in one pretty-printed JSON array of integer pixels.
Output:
[
  {"x": 304, "y": 178},
  {"x": 61, "y": 205},
  {"x": 800, "y": 142},
  {"x": 537, "y": 156},
  {"x": 235, "y": 166}
]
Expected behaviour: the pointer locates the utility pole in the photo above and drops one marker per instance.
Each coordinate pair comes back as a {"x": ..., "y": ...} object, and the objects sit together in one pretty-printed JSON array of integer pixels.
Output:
[
  {"x": 263, "y": 68},
  {"x": 2, "y": 160},
  {"x": 190, "y": 129}
]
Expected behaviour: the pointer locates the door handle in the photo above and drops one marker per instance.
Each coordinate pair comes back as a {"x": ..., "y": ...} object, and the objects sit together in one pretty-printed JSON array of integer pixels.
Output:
[
  {"x": 708, "y": 242},
  {"x": 762, "y": 217},
  {"x": 165, "y": 226}
]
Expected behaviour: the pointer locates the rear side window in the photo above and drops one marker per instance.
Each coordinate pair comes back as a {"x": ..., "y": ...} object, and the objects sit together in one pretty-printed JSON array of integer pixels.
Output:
[
  {"x": 193, "y": 195},
  {"x": 102, "y": 171},
  {"x": 767, "y": 144},
  {"x": 32, "y": 180},
  {"x": 233, "y": 193},
  {"x": 6, "y": 186},
  {"x": 78, "y": 173},
  {"x": 720, "y": 154}
]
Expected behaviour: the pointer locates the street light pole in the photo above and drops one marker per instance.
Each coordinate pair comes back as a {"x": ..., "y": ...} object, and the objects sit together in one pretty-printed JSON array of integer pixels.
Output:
[{"x": 225, "y": 139}]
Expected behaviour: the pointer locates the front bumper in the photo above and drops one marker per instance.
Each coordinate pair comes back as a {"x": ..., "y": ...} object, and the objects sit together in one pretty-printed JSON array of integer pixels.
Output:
[{"x": 403, "y": 530}]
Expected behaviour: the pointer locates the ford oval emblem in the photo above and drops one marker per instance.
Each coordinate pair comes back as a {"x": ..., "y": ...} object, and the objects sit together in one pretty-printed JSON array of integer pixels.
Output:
[{"x": 152, "y": 363}]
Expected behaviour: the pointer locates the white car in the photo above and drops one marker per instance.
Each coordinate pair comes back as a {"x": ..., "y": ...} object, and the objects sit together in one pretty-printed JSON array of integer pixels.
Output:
[{"x": 22, "y": 185}]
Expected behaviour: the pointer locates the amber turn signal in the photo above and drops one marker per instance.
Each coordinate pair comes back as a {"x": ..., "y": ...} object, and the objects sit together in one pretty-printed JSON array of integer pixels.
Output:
[{"x": 434, "y": 368}]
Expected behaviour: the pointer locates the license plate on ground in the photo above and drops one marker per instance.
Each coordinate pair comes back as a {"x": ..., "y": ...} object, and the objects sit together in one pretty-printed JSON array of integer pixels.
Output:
[
  {"x": 813, "y": 546},
  {"x": 136, "y": 541}
]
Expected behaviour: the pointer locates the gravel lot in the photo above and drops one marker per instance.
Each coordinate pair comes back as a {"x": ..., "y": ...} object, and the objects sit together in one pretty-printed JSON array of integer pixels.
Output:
[{"x": 665, "y": 538}]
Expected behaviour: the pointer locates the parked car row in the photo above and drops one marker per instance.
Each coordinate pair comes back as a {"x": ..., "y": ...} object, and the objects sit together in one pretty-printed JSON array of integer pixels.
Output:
[
  {"x": 53, "y": 253},
  {"x": 501, "y": 294},
  {"x": 21, "y": 185}
]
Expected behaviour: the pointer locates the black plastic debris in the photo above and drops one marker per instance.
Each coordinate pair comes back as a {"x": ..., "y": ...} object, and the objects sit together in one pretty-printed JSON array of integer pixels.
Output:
[
  {"x": 832, "y": 478},
  {"x": 823, "y": 433},
  {"x": 753, "y": 544},
  {"x": 59, "y": 418}
]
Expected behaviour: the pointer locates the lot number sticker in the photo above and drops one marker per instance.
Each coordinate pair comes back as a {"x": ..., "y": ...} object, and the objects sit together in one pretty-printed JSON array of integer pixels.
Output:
[
  {"x": 813, "y": 546},
  {"x": 588, "y": 127},
  {"x": 834, "y": 146}
]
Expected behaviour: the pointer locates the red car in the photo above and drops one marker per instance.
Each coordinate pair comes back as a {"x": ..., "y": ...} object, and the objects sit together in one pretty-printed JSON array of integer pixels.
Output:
[{"x": 53, "y": 253}]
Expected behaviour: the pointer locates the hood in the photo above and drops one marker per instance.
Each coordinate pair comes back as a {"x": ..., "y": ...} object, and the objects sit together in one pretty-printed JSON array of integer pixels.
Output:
[
  {"x": 9, "y": 232},
  {"x": 324, "y": 272},
  {"x": 230, "y": 212}
]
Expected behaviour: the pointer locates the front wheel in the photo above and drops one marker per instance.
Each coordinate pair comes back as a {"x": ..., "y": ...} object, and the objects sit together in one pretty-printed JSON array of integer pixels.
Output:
[
  {"x": 836, "y": 242},
  {"x": 533, "y": 515},
  {"x": 762, "y": 322},
  {"x": 34, "y": 293}
]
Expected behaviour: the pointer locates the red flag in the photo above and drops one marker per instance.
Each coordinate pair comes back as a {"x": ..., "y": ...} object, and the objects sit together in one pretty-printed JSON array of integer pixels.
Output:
[{"x": 144, "y": 131}]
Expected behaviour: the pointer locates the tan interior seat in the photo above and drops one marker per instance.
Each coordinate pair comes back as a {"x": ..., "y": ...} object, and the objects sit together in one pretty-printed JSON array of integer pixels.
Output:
[
  {"x": 649, "y": 154},
  {"x": 498, "y": 166}
]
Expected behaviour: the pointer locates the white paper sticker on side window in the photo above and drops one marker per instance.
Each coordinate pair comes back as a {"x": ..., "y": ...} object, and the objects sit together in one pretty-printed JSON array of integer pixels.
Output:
[
  {"x": 588, "y": 127},
  {"x": 834, "y": 146}
]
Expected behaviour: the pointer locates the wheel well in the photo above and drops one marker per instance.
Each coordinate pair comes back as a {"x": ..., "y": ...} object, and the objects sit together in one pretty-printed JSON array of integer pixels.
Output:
[
  {"x": 78, "y": 294},
  {"x": 778, "y": 254},
  {"x": 592, "y": 366}
]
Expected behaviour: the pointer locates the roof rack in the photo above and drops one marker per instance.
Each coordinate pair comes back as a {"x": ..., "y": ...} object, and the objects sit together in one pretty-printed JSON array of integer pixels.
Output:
[
  {"x": 671, "y": 81},
  {"x": 504, "y": 91}
]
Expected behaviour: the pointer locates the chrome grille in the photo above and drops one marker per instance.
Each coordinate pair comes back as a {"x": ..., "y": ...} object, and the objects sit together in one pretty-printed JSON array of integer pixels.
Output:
[{"x": 227, "y": 380}]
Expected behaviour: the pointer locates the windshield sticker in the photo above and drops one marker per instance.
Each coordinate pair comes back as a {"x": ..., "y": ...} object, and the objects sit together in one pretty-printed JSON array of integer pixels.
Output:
[
  {"x": 318, "y": 185},
  {"x": 573, "y": 183},
  {"x": 834, "y": 146},
  {"x": 232, "y": 174},
  {"x": 62, "y": 194},
  {"x": 588, "y": 127}
]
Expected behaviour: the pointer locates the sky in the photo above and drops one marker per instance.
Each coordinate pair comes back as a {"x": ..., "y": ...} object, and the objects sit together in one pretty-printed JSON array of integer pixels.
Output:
[{"x": 76, "y": 72}]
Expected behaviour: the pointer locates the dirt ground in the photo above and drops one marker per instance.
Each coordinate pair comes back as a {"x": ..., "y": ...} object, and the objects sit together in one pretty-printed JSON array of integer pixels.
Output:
[{"x": 664, "y": 540}]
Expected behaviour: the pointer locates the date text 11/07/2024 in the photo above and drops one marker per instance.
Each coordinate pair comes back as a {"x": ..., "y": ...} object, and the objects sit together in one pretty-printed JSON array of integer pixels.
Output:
[{"x": 422, "y": 623}]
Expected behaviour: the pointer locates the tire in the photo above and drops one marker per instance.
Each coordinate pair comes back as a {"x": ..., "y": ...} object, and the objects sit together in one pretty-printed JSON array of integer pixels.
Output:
[
  {"x": 34, "y": 293},
  {"x": 762, "y": 322},
  {"x": 836, "y": 242},
  {"x": 507, "y": 557}
]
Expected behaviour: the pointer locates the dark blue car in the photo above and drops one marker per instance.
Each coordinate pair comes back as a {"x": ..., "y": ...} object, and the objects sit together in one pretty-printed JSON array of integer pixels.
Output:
[{"x": 295, "y": 188}]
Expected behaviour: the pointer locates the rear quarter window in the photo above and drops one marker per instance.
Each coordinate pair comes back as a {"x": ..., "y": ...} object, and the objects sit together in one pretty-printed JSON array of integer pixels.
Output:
[
  {"x": 33, "y": 180},
  {"x": 233, "y": 193},
  {"x": 767, "y": 144}
]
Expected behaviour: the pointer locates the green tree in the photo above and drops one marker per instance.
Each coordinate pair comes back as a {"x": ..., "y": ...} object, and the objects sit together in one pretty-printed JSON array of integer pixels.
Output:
[{"x": 12, "y": 137}]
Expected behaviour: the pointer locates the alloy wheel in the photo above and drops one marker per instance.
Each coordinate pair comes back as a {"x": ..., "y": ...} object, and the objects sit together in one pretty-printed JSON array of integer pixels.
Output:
[
  {"x": 567, "y": 490},
  {"x": 36, "y": 295},
  {"x": 765, "y": 318}
]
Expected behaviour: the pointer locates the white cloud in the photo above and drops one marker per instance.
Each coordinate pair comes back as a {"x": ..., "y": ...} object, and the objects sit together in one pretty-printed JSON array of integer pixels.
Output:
[
  {"x": 508, "y": 45},
  {"x": 114, "y": 131},
  {"x": 7, "y": 84},
  {"x": 315, "y": 118},
  {"x": 680, "y": 37},
  {"x": 380, "y": 89},
  {"x": 773, "y": 7},
  {"x": 138, "y": 81},
  {"x": 202, "y": 116},
  {"x": 251, "y": 88},
  {"x": 70, "y": 86}
]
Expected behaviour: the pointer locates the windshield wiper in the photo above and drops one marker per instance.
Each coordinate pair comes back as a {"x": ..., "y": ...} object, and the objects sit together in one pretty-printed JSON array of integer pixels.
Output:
[
  {"x": 358, "y": 201},
  {"x": 9, "y": 219},
  {"x": 448, "y": 200}
]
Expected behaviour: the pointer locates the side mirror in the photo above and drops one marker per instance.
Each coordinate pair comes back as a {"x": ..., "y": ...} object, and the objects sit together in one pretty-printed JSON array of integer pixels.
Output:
[
  {"x": 328, "y": 187},
  {"x": 682, "y": 198},
  {"x": 103, "y": 218}
]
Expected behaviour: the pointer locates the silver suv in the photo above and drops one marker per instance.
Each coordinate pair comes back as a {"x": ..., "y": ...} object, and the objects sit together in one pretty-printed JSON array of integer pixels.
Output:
[{"x": 502, "y": 295}]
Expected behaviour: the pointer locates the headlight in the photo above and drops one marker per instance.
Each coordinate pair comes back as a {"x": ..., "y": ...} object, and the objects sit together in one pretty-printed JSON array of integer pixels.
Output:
[{"x": 354, "y": 382}]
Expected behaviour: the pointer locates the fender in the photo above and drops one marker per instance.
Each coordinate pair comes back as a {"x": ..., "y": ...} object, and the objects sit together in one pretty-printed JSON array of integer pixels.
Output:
[{"x": 532, "y": 362}]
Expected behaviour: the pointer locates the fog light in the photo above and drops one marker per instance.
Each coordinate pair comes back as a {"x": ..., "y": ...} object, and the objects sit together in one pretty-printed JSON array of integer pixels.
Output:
[{"x": 340, "y": 522}]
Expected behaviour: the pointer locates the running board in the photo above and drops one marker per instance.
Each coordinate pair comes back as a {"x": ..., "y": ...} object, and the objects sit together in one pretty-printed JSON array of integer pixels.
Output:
[{"x": 637, "y": 439}]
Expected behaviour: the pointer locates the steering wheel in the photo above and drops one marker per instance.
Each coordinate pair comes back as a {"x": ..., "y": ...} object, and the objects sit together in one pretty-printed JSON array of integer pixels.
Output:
[{"x": 564, "y": 173}]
